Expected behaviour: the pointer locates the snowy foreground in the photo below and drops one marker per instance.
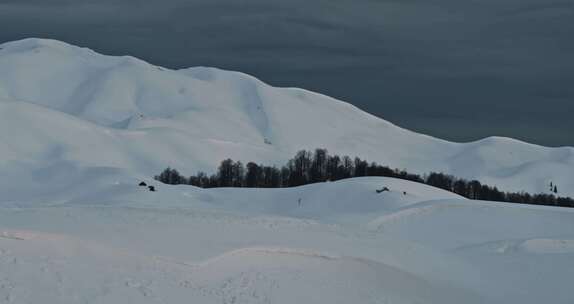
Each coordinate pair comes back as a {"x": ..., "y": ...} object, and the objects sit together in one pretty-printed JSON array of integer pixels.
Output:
[{"x": 110, "y": 241}]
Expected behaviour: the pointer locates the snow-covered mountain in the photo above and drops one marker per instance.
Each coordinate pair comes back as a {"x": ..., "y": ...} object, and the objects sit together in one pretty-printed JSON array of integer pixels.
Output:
[
  {"x": 74, "y": 107},
  {"x": 79, "y": 131}
]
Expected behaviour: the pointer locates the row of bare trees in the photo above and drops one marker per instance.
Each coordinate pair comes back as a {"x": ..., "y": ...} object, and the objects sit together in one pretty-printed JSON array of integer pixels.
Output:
[{"x": 318, "y": 166}]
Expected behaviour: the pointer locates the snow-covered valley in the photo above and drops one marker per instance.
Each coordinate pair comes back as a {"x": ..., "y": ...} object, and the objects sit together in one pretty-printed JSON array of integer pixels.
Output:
[{"x": 79, "y": 131}]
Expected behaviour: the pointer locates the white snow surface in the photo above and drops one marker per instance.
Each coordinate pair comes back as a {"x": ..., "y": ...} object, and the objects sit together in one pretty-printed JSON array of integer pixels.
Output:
[
  {"x": 107, "y": 240},
  {"x": 70, "y": 104},
  {"x": 79, "y": 131}
]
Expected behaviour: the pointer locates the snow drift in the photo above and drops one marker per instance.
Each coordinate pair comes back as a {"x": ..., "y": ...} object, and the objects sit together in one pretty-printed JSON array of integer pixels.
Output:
[{"x": 110, "y": 241}]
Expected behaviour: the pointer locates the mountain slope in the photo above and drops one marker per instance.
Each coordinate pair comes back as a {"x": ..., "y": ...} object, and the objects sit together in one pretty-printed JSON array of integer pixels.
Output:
[{"x": 67, "y": 102}]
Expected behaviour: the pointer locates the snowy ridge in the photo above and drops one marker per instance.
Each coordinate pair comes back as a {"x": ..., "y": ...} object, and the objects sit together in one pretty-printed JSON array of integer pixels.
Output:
[{"x": 145, "y": 118}]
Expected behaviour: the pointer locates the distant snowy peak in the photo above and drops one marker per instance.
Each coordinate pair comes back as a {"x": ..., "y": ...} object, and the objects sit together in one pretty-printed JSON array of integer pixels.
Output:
[
  {"x": 127, "y": 93},
  {"x": 109, "y": 90},
  {"x": 148, "y": 117}
]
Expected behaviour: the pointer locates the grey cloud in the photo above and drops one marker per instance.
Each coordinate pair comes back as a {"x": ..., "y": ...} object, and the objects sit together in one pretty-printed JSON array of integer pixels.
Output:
[{"x": 458, "y": 69}]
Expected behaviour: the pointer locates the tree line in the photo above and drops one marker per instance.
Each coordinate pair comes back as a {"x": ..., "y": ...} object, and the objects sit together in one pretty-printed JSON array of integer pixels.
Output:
[{"x": 319, "y": 166}]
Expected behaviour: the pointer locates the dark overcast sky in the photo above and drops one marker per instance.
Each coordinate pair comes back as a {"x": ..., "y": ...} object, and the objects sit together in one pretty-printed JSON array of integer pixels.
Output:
[{"x": 457, "y": 69}]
